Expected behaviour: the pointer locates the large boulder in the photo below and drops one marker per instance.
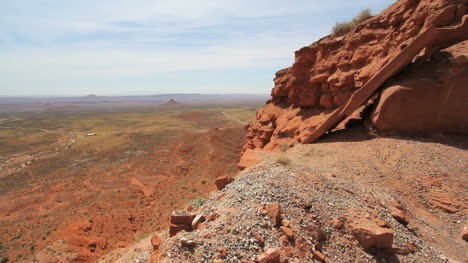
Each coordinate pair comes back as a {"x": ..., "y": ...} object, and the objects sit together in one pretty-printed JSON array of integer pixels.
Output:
[{"x": 428, "y": 97}]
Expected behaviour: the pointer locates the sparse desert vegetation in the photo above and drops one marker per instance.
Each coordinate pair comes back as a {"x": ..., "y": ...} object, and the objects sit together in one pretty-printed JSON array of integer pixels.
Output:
[
  {"x": 341, "y": 28},
  {"x": 283, "y": 160}
]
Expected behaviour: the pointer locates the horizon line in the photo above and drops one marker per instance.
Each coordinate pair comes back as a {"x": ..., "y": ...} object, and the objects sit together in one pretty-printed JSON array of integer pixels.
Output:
[{"x": 122, "y": 95}]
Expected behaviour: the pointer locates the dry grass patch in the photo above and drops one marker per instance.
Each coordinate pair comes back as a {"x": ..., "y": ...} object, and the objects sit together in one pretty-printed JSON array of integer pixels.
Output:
[
  {"x": 283, "y": 160},
  {"x": 341, "y": 28}
]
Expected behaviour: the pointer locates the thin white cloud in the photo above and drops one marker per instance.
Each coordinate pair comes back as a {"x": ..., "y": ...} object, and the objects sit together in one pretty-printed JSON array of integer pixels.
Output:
[{"x": 45, "y": 44}]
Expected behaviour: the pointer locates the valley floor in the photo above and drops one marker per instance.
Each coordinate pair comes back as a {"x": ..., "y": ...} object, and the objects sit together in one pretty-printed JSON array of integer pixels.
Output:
[{"x": 68, "y": 197}]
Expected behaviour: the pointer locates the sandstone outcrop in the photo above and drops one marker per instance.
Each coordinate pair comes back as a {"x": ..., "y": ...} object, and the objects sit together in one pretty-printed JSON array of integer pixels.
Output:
[
  {"x": 328, "y": 72},
  {"x": 428, "y": 97}
]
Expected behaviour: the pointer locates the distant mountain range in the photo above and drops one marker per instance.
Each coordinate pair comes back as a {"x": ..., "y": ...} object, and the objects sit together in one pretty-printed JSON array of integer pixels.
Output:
[{"x": 160, "y": 98}]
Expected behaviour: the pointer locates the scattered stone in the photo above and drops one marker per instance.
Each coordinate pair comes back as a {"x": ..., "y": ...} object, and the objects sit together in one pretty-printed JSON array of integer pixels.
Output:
[
  {"x": 400, "y": 250},
  {"x": 464, "y": 234},
  {"x": 222, "y": 252},
  {"x": 287, "y": 251},
  {"x": 315, "y": 232},
  {"x": 221, "y": 197},
  {"x": 447, "y": 208},
  {"x": 187, "y": 242},
  {"x": 156, "y": 242},
  {"x": 411, "y": 247},
  {"x": 181, "y": 219},
  {"x": 218, "y": 261},
  {"x": 319, "y": 256},
  {"x": 274, "y": 211},
  {"x": 272, "y": 255},
  {"x": 213, "y": 216},
  {"x": 198, "y": 220},
  {"x": 318, "y": 246},
  {"x": 399, "y": 214},
  {"x": 288, "y": 232},
  {"x": 174, "y": 229},
  {"x": 370, "y": 235},
  {"x": 263, "y": 212},
  {"x": 259, "y": 238},
  {"x": 302, "y": 244},
  {"x": 381, "y": 223},
  {"x": 337, "y": 223},
  {"x": 397, "y": 205},
  {"x": 222, "y": 181},
  {"x": 285, "y": 222},
  {"x": 284, "y": 240}
]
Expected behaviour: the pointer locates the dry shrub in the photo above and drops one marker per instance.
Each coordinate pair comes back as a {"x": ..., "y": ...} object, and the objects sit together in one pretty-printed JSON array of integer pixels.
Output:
[
  {"x": 341, "y": 28},
  {"x": 283, "y": 160},
  {"x": 197, "y": 202}
]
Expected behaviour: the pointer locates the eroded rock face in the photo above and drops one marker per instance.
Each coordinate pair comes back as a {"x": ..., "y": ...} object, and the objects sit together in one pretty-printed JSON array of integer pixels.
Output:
[
  {"x": 326, "y": 73},
  {"x": 430, "y": 97}
]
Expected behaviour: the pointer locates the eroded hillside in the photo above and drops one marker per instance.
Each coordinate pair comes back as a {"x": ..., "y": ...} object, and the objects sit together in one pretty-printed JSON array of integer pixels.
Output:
[{"x": 328, "y": 72}]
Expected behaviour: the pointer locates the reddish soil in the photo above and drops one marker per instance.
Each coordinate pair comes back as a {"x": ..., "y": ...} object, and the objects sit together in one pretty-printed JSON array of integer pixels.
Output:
[{"x": 74, "y": 207}]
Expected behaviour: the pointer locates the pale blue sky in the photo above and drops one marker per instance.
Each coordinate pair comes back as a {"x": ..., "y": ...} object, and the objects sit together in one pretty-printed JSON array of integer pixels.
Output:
[{"x": 138, "y": 47}]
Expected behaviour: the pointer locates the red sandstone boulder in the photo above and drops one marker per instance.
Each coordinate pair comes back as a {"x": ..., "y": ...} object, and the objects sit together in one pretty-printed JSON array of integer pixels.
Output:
[
  {"x": 222, "y": 181},
  {"x": 222, "y": 252},
  {"x": 272, "y": 255},
  {"x": 284, "y": 240},
  {"x": 428, "y": 97},
  {"x": 464, "y": 234},
  {"x": 315, "y": 232},
  {"x": 288, "y": 232},
  {"x": 274, "y": 211},
  {"x": 319, "y": 256},
  {"x": 156, "y": 242},
  {"x": 182, "y": 219},
  {"x": 399, "y": 215},
  {"x": 213, "y": 216},
  {"x": 337, "y": 223},
  {"x": 259, "y": 238},
  {"x": 369, "y": 235},
  {"x": 174, "y": 229}
]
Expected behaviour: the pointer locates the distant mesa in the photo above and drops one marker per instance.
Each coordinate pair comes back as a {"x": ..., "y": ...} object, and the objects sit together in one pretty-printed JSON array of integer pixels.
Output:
[{"x": 172, "y": 102}]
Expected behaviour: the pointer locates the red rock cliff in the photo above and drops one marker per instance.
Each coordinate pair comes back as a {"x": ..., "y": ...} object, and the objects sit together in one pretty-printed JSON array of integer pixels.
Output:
[{"x": 326, "y": 73}]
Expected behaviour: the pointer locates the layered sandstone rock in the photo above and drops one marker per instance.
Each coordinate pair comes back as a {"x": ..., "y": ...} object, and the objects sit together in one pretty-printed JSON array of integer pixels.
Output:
[
  {"x": 326, "y": 73},
  {"x": 428, "y": 97}
]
